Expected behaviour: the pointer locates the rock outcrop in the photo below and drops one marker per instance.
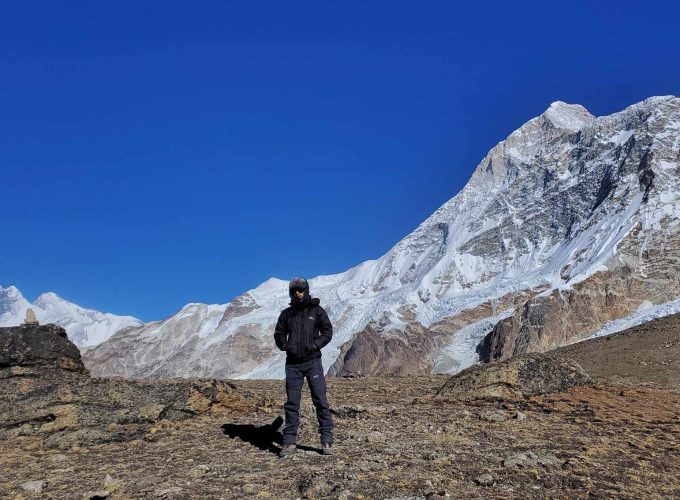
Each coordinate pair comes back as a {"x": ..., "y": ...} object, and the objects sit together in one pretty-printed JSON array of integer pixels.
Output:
[
  {"x": 46, "y": 391},
  {"x": 40, "y": 347},
  {"x": 520, "y": 377}
]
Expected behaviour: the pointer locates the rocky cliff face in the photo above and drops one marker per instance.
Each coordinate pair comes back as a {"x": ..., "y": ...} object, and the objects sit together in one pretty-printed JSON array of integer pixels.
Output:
[
  {"x": 641, "y": 269},
  {"x": 567, "y": 224}
]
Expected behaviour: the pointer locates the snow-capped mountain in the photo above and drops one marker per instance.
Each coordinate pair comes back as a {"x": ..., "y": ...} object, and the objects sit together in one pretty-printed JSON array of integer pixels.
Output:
[
  {"x": 85, "y": 327},
  {"x": 566, "y": 205}
]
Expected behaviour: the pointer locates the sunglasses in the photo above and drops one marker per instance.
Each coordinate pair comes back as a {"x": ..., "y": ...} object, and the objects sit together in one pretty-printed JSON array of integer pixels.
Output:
[{"x": 297, "y": 289}]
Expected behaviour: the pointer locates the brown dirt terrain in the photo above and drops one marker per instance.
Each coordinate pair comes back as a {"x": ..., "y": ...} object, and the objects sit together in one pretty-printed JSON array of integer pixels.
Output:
[
  {"x": 646, "y": 355},
  {"x": 394, "y": 439}
]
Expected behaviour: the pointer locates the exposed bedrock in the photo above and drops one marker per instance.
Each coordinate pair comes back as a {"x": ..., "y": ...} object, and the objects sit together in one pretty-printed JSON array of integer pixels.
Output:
[
  {"x": 561, "y": 317},
  {"x": 46, "y": 391}
]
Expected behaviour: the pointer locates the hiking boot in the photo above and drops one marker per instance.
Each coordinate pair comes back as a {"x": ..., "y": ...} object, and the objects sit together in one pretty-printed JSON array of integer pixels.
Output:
[
  {"x": 287, "y": 449},
  {"x": 326, "y": 449}
]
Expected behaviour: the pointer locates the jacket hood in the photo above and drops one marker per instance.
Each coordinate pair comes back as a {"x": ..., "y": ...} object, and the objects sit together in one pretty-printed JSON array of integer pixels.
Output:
[{"x": 306, "y": 301}]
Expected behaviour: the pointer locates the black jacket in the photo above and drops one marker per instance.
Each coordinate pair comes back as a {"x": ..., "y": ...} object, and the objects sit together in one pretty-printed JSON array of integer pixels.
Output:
[{"x": 303, "y": 330}]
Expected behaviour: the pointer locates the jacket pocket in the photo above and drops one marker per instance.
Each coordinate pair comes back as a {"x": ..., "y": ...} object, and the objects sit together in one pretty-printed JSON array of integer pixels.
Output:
[
  {"x": 308, "y": 346},
  {"x": 288, "y": 347}
]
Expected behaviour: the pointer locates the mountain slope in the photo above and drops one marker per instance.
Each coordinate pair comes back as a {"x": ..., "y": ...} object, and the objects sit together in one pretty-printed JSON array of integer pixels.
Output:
[
  {"x": 85, "y": 327},
  {"x": 565, "y": 203}
]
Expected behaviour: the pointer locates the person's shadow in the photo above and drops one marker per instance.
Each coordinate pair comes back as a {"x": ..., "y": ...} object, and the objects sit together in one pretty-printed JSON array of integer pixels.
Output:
[{"x": 265, "y": 437}]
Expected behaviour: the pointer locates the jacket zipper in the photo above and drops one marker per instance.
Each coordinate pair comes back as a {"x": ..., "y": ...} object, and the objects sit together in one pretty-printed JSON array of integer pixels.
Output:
[{"x": 298, "y": 326}]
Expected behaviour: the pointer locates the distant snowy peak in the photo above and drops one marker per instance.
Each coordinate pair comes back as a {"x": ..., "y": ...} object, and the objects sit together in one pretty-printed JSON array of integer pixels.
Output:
[
  {"x": 50, "y": 300},
  {"x": 85, "y": 327},
  {"x": 9, "y": 296},
  {"x": 11, "y": 301},
  {"x": 11, "y": 292},
  {"x": 571, "y": 117}
]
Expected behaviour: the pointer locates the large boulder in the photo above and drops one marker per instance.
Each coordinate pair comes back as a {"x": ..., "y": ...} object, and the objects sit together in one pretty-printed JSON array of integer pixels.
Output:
[
  {"x": 45, "y": 346},
  {"x": 519, "y": 377}
]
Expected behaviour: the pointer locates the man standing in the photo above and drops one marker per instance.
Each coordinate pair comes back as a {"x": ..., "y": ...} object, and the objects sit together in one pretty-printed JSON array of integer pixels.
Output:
[{"x": 302, "y": 330}]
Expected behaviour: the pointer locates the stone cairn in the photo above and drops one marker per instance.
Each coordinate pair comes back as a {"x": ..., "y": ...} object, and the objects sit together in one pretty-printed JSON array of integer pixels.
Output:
[{"x": 30, "y": 317}]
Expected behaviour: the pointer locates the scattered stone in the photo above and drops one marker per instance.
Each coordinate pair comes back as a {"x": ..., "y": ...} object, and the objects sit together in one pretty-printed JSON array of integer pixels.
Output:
[
  {"x": 519, "y": 460},
  {"x": 250, "y": 488},
  {"x": 148, "y": 482},
  {"x": 485, "y": 480},
  {"x": 34, "y": 486},
  {"x": 519, "y": 416},
  {"x": 57, "y": 458},
  {"x": 199, "y": 470},
  {"x": 168, "y": 492},
  {"x": 97, "y": 495},
  {"x": 151, "y": 413},
  {"x": 494, "y": 416},
  {"x": 315, "y": 486},
  {"x": 375, "y": 437},
  {"x": 430, "y": 455},
  {"x": 26, "y": 430},
  {"x": 111, "y": 484},
  {"x": 349, "y": 411},
  {"x": 530, "y": 459}
]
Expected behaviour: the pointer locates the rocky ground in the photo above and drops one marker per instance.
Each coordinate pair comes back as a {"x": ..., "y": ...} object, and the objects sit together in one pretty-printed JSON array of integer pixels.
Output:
[
  {"x": 395, "y": 437},
  {"x": 647, "y": 355}
]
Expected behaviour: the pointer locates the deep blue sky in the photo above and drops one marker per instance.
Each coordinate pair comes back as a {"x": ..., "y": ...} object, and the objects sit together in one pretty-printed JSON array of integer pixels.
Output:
[{"x": 159, "y": 153}]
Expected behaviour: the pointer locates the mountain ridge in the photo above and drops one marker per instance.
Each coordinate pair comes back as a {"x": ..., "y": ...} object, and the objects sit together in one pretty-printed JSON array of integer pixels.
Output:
[
  {"x": 85, "y": 327},
  {"x": 545, "y": 209}
]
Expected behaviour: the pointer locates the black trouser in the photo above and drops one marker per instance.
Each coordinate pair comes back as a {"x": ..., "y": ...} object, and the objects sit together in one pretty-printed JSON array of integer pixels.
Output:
[{"x": 312, "y": 370}]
